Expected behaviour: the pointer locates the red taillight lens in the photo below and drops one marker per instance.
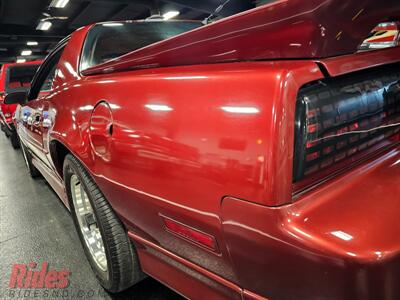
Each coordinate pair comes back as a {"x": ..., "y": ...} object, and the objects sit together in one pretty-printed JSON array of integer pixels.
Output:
[{"x": 340, "y": 119}]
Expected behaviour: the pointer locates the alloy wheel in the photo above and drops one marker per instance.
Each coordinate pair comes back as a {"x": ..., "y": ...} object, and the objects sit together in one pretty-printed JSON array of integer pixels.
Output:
[{"x": 88, "y": 223}]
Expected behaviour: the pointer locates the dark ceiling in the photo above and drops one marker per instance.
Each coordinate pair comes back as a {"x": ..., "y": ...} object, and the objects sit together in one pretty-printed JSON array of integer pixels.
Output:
[{"x": 19, "y": 18}]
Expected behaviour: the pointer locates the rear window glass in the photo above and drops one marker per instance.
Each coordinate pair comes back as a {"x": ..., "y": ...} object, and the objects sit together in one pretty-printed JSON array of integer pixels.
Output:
[
  {"x": 19, "y": 77},
  {"x": 111, "y": 40}
]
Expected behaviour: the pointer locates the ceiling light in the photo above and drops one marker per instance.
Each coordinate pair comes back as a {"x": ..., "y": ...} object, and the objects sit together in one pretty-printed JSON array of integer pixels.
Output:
[
  {"x": 44, "y": 25},
  {"x": 32, "y": 43},
  {"x": 155, "y": 18},
  {"x": 342, "y": 235},
  {"x": 21, "y": 60},
  {"x": 112, "y": 24},
  {"x": 170, "y": 14},
  {"x": 59, "y": 3},
  {"x": 26, "y": 52},
  {"x": 241, "y": 109},
  {"x": 158, "y": 107}
]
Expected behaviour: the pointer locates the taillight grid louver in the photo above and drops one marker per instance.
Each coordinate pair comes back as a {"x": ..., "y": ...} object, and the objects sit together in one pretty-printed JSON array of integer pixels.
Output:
[{"x": 339, "y": 119}]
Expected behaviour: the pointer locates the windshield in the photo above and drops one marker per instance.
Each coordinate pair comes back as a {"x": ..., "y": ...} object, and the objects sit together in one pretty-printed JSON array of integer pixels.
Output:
[
  {"x": 111, "y": 40},
  {"x": 19, "y": 77}
]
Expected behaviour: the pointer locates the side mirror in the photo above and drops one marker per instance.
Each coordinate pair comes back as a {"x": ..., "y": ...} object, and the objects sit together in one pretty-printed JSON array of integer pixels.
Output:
[{"x": 16, "y": 98}]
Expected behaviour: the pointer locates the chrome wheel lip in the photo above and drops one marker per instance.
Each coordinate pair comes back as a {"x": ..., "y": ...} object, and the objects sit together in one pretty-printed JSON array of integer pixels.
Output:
[{"x": 90, "y": 231}]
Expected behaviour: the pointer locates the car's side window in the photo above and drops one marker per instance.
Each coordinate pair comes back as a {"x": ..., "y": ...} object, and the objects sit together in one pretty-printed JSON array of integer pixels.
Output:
[
  {"x": 42, "y": 84},
  {"x": 47, "y": 86}
]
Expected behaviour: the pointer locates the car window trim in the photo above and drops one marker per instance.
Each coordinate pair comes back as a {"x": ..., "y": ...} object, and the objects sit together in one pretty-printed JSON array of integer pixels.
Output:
[{"x": 44, "y": 69}]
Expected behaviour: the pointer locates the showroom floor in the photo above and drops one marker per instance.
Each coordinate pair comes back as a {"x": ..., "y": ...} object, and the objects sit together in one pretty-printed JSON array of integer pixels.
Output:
[{"x": 36, "y": 227}]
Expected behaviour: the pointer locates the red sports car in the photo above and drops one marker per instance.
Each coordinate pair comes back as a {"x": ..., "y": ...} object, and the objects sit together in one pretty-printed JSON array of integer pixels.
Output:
[
  {"x": 14, "y": 77},
  {"x": 255, "y": 157}
]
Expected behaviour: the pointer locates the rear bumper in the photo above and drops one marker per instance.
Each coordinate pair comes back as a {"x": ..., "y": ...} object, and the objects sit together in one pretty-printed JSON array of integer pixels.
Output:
[{"x": 340, "y": 241}]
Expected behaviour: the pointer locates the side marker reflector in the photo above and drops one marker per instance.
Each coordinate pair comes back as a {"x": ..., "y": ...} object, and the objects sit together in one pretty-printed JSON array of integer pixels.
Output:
[{"x": 190, "y": 234}]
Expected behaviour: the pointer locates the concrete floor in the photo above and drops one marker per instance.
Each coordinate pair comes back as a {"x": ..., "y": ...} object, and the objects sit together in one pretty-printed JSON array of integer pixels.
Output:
[{"x": 36, "y": 227}]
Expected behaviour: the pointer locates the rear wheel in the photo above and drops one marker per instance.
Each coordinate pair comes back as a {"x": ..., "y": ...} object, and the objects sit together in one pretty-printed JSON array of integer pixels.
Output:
[
  {"x": 28, "y": 161},
  {"x": 103, "y": 237},
  {"x": 14, "y": 140}
]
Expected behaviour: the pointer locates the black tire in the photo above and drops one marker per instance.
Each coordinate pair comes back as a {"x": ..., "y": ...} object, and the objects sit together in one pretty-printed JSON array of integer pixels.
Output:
[
  {"x": 14, "y": 139},
  {"x": 28, "y": 161},
  {"x": 2, "y": 127},
  {"x": 123, "y": 269}
]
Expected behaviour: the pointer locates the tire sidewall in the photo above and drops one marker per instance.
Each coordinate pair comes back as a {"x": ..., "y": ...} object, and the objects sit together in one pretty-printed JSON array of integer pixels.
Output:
[
  {"x": 70, "y": 169},
  {"x": 14, "y": 140}
]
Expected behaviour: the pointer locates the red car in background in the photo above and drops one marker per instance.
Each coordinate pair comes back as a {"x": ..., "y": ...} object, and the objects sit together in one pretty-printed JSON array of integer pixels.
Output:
[
  {"x": 255, "y": 157},
  {"x": 14, "y": 77}
]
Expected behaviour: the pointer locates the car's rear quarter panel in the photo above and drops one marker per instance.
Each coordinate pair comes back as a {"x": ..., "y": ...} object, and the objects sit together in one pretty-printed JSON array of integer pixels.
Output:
[
  {"x": 225, "y": 174},
  {"x": 181, "y": 163}
]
